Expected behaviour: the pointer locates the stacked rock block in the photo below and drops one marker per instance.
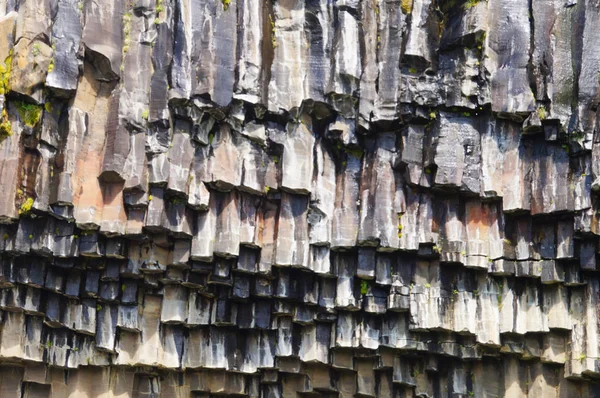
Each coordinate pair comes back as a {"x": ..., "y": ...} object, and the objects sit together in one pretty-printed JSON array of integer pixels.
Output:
[{"x": 299, "y": 198}]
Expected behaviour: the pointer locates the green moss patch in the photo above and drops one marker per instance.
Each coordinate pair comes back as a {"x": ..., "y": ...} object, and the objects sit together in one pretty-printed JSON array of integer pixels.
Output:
[{"x": 30, "y": 113}]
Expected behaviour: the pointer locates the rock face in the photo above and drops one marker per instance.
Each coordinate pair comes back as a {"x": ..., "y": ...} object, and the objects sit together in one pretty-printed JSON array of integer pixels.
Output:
[{"x": 299, "y": 198}]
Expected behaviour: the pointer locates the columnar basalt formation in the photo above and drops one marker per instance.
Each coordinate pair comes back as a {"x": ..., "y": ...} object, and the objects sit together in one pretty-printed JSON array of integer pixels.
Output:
[{"x": 281, "y": 198}]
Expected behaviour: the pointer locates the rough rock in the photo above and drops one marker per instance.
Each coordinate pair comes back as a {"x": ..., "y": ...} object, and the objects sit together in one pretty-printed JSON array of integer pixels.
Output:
[{"x": 281, "y": 198}]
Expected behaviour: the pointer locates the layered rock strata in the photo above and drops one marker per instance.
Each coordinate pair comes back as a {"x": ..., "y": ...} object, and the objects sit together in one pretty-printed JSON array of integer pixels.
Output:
[{"x": 299, "y": 198}]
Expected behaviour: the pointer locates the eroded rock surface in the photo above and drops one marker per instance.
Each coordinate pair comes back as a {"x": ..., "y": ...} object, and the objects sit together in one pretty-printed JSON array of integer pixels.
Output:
[{"x": 299, "y": 198}]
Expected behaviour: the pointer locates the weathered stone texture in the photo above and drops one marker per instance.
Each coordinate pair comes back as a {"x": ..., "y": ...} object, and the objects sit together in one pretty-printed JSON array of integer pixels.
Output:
[{"x": 290, "y": 198}]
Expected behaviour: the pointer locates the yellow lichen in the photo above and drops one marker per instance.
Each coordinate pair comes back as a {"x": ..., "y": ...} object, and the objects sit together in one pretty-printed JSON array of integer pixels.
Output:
[
  {"x": 542, "y": 112},
  {"x": 226, "y": 4},
  {"x": 26, "y": 206},
  {"x": 273, "y": 37},
  {"x": 5, "y": 74},
  {"x": 5, "y": 126},
  {"x": 470, "y": 4},
  {"x": 406, "y": 6},
  {"x": 126, "y": 39}
]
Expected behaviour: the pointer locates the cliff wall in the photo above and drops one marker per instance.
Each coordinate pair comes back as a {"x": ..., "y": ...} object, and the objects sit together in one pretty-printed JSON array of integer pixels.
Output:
[{"x": 286, "y": 198}]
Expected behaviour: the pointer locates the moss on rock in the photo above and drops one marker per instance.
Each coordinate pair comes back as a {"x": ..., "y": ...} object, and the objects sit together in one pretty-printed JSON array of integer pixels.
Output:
[{"x": 30, "y": 113}]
